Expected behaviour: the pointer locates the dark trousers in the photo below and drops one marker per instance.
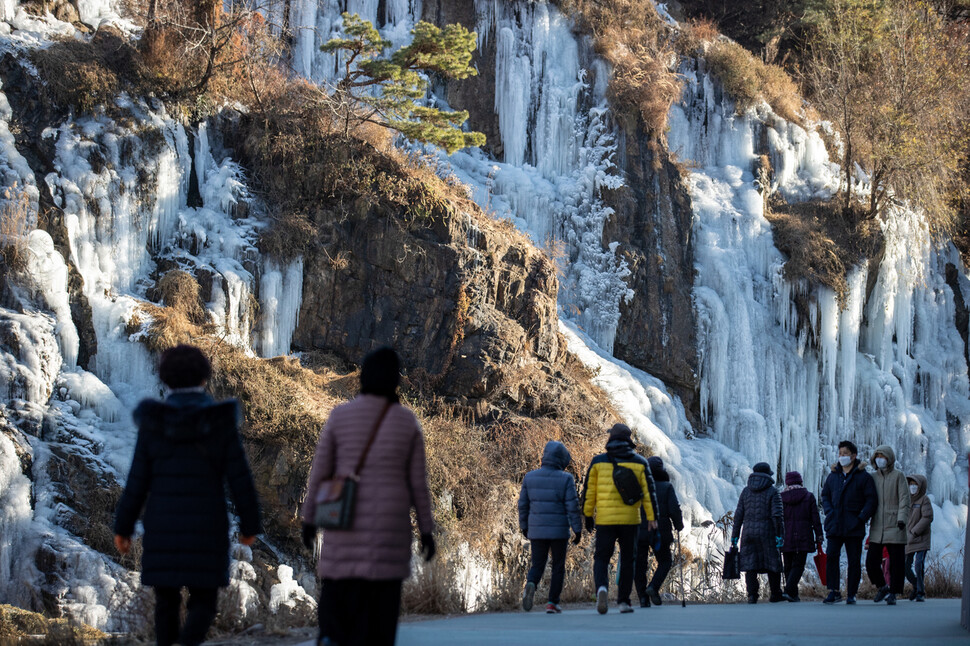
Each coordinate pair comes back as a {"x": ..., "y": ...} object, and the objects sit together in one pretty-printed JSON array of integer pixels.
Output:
[
  {"x": 664, "y": 561},
  {"x": 754, "y": 586},
  {"x": 897, "y": 566},
  {"x": 794, "y": 568},
  {"x": 853, "y": 553},
  {"x": 607, "y": 536},
  {"x": 201, "y": 609},
  {"x": 917, "y": 559},
  {"x": 359, "y": 612},
  {"x": 540, "y": 553}
]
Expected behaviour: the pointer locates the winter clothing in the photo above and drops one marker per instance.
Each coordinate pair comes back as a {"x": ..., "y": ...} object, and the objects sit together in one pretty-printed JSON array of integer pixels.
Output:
[
  {"x": 188, "y": 446},
  {"x": 849, "y": 500},
  {"x": 853, "y": 555},
  {"x": 793, "y": 478},
  {"x": 761, "y": 515},
  {"x": 894, "y": 501},
  {"x": 665, "y": 561},
  {"x": 920, "y": 518},
  {"x": 541, "y": 549},
  {"x": 794, "y": 569},
  {"x": 753, "y": 586},
  {"x": 600, "y": 494},
  {"x": 392, "y": 480},
  {"x": 669, "y": 516},
  {"x": 916, "y": 577},
  {"x": 201, "y": 610},
  {"x": 359, "y": 612},
  {"x": 548, "y": 505},
  {"x": 897, "y": 566},
  {"x": 606, "y": 538},
  {"x": 763, "y": 467},
  {"x": 803, "y": 527}
]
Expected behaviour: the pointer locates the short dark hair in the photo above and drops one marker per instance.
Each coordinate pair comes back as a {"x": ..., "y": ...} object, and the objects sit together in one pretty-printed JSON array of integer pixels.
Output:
[
  {"x": 380, "y": 373},
  {"x": 184, "y": 366},
  {"x": 849, "y": 445}
]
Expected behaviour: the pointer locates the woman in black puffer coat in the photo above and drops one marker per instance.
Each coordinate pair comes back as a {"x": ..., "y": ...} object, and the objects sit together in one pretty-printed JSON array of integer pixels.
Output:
[
  {"x": 188, "y": 450},
  {"x": 761, "y": 516}
]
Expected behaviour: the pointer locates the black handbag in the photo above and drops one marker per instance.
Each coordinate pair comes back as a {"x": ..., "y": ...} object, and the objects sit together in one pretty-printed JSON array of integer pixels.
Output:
[
  {"x": 337, "y": 497},
  {"x": 732, "y": 565},
  {"x": 627, "y": 484}
]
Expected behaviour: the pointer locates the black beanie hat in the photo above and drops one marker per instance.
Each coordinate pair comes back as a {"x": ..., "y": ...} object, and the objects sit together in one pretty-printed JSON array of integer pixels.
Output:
[
  {"x": 762, "y": 467},
  {"x": 621, "y": 432},
  {"x": 380, "y": 373}
]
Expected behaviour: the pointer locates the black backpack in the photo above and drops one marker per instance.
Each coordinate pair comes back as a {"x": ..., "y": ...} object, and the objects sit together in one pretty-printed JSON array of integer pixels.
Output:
[{"x": 626, "y": 484}]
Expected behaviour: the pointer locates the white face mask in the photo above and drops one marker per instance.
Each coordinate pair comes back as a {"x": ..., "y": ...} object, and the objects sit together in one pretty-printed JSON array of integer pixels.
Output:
[
  {"x": 881, "y": 462},
  {"x": 845, "y": 460},
  {"x": 913, "y": 489}
]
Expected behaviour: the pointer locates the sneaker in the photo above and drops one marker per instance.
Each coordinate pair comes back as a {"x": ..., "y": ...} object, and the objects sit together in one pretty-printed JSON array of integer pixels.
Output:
[
  {"x": 752, "y": 598},
  {"x": 920, "y": 598},
  {"x": 882, "y": 594},
  {"x": 527, "y": 596},
  {"x": 553, "y": 608},
  {"x": 602, "y": 600},
  {"x": 654, "y": 596},
  {"x": 834, "y": 597},
  {"x": 624, "y": 607},
  {"x": 890, "y": 599},
  {"x": 850, "y": 601}
]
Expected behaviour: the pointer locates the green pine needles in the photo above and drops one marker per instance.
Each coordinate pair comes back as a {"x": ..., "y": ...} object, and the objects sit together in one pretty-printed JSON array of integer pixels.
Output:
[{"x": 384, "y": 90}]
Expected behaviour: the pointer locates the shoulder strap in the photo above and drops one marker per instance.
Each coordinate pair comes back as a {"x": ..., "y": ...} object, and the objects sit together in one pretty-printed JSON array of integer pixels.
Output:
[{"x": 370, "y": 440}]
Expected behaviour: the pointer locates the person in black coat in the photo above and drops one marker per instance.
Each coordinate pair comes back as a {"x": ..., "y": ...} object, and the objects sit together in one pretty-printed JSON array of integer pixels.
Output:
[
  {"x": 761, "y": 516},
  {"x": 188, "y": 448},
  {"x": 849, "y": 500},
  {"x": 803, "y": 531},
  {"x": 659, "y": 540}
]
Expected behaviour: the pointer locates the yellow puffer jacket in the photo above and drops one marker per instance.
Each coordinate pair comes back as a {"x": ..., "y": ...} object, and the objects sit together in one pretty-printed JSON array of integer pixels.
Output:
[{"x": 601, "y": 497}]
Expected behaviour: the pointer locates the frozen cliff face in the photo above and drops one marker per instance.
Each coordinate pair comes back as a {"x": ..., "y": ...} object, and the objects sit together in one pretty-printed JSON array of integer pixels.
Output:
[{"x": 888, "y": 368}]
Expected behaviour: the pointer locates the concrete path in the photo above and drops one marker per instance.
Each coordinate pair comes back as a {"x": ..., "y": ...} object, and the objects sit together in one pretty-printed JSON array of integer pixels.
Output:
[{"x": 913, "y": 624}]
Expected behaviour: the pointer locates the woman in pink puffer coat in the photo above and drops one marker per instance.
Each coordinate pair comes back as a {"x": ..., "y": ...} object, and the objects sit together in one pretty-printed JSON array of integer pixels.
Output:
[{"x": 362, "y": 568}]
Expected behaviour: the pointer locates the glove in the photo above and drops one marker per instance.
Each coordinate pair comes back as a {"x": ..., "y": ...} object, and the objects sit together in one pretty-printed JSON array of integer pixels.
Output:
[
  {"x": 901, "y": 525},
  {"x": 525, "y": 534},
  {"x": 590, "y": 525},
  {"x": 577, "y": 538},
  {"x": 428, "y": 549},
  {"x": 779, "y": 542},
  {"x": 309, "y": 536},
  {"x": 734, "y": 541}
]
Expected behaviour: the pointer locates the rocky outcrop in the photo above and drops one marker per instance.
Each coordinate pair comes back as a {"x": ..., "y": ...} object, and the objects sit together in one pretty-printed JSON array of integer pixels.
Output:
[{"x": 657, "y": 329}]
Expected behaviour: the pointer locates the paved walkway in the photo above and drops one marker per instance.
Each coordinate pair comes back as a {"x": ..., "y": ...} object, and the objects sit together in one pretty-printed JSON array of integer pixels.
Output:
[{"x": 914, "y": 624}]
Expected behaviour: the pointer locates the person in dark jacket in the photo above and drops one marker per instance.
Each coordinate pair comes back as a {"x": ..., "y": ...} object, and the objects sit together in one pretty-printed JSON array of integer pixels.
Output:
[
  {"x": 548, "y": 508},
  {"x": 848, "y": 499},
  {"x": 615, "y": 521},
  {"x": 759, "y": 521},
  {"x": 803, "y": 530},
  {"x": 669, "y": 517},
  {"x": 188, "y": 448},
  {"x": 919, "y": 535}
]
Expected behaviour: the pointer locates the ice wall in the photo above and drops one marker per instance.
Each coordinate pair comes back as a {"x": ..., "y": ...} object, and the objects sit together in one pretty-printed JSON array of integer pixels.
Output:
[{"x": 888, "y": 368}]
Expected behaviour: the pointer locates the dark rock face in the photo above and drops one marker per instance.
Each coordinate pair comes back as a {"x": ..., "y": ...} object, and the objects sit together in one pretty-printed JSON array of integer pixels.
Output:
[
  {"x": 657, "y": 329},
  {"x": 461, "y": 298}
]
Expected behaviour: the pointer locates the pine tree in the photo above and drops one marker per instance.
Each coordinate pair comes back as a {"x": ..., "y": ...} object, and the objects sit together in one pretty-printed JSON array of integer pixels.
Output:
[{"x": 385, "y": 90}]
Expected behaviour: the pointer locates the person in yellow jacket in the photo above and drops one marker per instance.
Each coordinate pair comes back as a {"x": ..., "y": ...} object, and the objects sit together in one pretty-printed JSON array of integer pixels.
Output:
[{"x": 615, "y": 521}]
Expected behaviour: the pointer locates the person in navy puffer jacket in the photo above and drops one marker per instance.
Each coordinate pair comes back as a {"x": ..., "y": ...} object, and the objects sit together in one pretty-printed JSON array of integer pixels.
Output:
[{"x": 548, "y": 507}]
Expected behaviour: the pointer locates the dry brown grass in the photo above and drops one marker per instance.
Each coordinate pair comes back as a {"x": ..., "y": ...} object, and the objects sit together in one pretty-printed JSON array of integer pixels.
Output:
[
  {"x": 15, "y": 222},
  {"x": 748, "y": 79},
  {"x": 821, "y": 242},
  {"x": 182, "y": 318},
  {"x": 18, "y": 626}
]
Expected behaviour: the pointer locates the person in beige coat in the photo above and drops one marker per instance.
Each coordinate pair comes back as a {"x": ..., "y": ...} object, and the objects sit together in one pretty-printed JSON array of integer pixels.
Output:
[
  {"x": 918, "y": 532},
  {"x": 888, "y": 527}
]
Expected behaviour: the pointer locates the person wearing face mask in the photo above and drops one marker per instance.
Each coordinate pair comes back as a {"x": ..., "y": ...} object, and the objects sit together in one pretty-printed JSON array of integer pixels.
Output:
[
  {"x": 888, "y": 529},
  {"x": 918, "y": 535},
  {"x": 849, "y": 499}
]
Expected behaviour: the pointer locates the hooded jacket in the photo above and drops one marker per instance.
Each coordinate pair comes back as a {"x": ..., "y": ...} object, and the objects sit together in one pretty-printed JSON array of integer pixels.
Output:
[
  {"x": 894, "y": 502},
  {"x": 920, "y": 518},
  {"x": 848, "y": 500},
  {"x": 758, "y": 519},
  {"x": 670, "y": 516},
  {"x": 548, "y": 504},
  {"x": 188, "y": 448},
  {"x": 600, "y": 495},
  {"x": 803, "y": 527}
]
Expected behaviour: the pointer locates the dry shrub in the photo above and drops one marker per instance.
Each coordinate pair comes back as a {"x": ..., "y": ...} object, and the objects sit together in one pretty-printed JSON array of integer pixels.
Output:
[
  {"x": 749, "y": 80},
  {"x": 184, "y": 317},
  {"x": 16, "y": 220},
  {"x": 289, "y": 235},
  {"x": 822, "y": 242},
  {"x": 943, "y": 575},
  {"x": 22, "y": 626},
  {"x": 694, "y": 35}
]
